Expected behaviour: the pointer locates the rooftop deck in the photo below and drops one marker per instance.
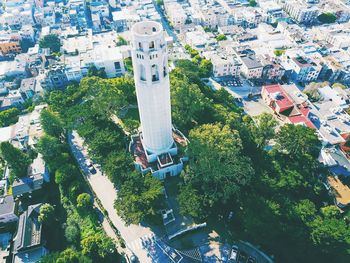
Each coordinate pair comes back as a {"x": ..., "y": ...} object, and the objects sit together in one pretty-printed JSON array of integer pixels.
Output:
[
  {"x": 163, "y": 160},
  {"x": 341, "y": 191}
]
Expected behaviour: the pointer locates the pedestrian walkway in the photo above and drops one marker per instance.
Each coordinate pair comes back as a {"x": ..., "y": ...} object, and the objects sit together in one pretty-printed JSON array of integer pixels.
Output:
[{"x": 139, "y": 243}]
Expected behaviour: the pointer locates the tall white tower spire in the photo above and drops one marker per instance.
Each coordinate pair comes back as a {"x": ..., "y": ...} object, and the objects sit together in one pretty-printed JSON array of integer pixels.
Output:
[{"x": 150, "y": 64}]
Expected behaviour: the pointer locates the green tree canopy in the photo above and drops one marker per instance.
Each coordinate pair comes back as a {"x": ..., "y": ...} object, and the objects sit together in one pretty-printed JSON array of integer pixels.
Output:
[
  {"x": 84, "y": 201},
  {"x": 118, "y": 165},
  {"x": 139, "y": 197},
  {"x": 298, "y": 141},
  {"x": 51, "y": 148},
  {"x": 263, "y": 129},
  {"x": 103, "y": 142},
  {"x": 327, "y": 18},
  {"x": 46, "y": 214},
  {"x": 69, "y": 255},
  {"x": 97, "y": 246},
  {"x": 205, "y": 68},
  {"x": 121, "y": 41},
  {"x": 9, "y": 117},
  {"x": 252, "y": 3},
  {"x": 106, "y": 98},
  {"x": 279, "y": 52},
  {"x": 160, "y": 2},
  {"x": 65, "y": 173},
  {"x": 17, "y": 160},
  {"x": 128, "y": 65},
  {"x": 188, "y": 103},
  {"x": 190, "y": 201},
  {"x": 72, "y": 233},
  {"x": 217, "y": 168},
  {"x": 93, "y": 71},
  {"x": 51, "y": 122},
  {"x": 221, "y": 37},
  {"x": 330, "y": 234},
  {"x": 51, "y": 41}
]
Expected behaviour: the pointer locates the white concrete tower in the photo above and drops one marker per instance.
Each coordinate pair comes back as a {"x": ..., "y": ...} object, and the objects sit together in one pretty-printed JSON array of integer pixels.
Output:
[{"x": 150, "y": 64}]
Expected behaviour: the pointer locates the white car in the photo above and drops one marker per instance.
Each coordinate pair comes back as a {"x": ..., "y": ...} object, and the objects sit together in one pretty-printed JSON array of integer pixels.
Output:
[
  {"x": 88, "y": 163},
  {"x": 234, "y": 253}
]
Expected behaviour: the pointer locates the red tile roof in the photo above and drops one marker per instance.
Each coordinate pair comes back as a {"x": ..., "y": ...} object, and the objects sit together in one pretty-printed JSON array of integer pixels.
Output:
[
  {"x": 301, "y": 119},
  {"x": 304, "y": 111},
  {"x": 283, "y": 101},
  {"x": 140, "y": 155}
]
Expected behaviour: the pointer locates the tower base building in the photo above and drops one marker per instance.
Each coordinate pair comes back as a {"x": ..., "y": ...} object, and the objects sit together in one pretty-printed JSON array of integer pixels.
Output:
[{"x": 169, "y": 163}]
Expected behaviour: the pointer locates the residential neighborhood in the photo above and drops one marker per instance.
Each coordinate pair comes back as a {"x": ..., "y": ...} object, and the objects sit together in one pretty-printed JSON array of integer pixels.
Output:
[{"x": 175, "y": 131}]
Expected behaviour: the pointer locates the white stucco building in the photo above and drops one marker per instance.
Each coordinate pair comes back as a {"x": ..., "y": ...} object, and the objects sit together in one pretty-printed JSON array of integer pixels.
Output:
[
  {"x": 176, "y": 14},
  {"x": 224, "y": 65},
  {"x": 154, "y": 147}
]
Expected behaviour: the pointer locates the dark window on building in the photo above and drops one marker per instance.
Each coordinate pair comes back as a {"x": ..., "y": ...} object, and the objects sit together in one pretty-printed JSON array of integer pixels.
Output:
[
  {"x": 155, "y": 73},
  {"x": 117, "y": 66}
]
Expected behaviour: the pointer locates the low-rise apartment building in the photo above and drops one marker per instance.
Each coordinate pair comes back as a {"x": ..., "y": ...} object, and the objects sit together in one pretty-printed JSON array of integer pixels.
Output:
[
  {"x": 9, "y": 46},
  {"x": 225, "y": 65},
  {"x": 301, "y": 12},
  {"x": 251, "y": 67}
]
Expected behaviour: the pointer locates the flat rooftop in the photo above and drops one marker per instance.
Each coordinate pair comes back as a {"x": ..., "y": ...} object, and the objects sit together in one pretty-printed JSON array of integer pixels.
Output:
[{"x": 341, "y": 191}]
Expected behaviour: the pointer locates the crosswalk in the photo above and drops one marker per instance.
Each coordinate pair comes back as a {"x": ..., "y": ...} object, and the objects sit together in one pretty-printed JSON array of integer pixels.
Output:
[
  {"x": 193, "y": 254},
  {"x": 139, "y": 243}
]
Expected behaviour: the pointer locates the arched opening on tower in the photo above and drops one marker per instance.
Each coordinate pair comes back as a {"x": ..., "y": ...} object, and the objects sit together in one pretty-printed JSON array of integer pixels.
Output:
[
  {"x": 142, "y": 72},
  {"x": 151, "y": 45},
  {"x": 155, "y": 73}
]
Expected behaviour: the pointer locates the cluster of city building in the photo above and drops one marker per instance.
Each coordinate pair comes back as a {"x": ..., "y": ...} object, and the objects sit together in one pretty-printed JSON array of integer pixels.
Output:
[
  {"x": 326, "y": 111},
  {"x": 265, "y": 41},
  {"x": 20, "y": 229},
  {"x": 269, "y": 41},
  {"x": 279, "y": 46}
]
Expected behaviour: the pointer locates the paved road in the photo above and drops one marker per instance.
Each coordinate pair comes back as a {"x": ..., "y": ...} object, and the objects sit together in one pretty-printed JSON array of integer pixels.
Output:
[
  {"x": 165, "y": 23},
  {"x": 134, "y": 235}
]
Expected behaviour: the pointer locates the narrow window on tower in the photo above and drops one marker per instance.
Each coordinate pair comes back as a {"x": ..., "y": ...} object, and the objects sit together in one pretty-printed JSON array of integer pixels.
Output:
[
  {"x": 155, "y": 73},
  {"x": 142, "y": 73},
  {"x": 140, "y": 45},
  {"x": 164, "y": 69},
  {"x": 151, "y": 45}
]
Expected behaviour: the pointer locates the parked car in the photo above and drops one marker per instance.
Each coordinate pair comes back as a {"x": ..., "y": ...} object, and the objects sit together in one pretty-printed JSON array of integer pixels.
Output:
[
  {"x": 251, "y": 260},
  {"x": 92, "y": 169},
  {"x": 133, "y": 259},
  {"x": 242, "y": 257},
  {"x": 234, "y": 253},
  {"x": 88, "y": 163}
]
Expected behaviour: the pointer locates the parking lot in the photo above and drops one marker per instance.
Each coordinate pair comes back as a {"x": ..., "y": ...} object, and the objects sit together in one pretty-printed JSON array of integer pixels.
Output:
[
  {"x": 238, "y": 88},
  {"x": 229, "y": 81}
]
